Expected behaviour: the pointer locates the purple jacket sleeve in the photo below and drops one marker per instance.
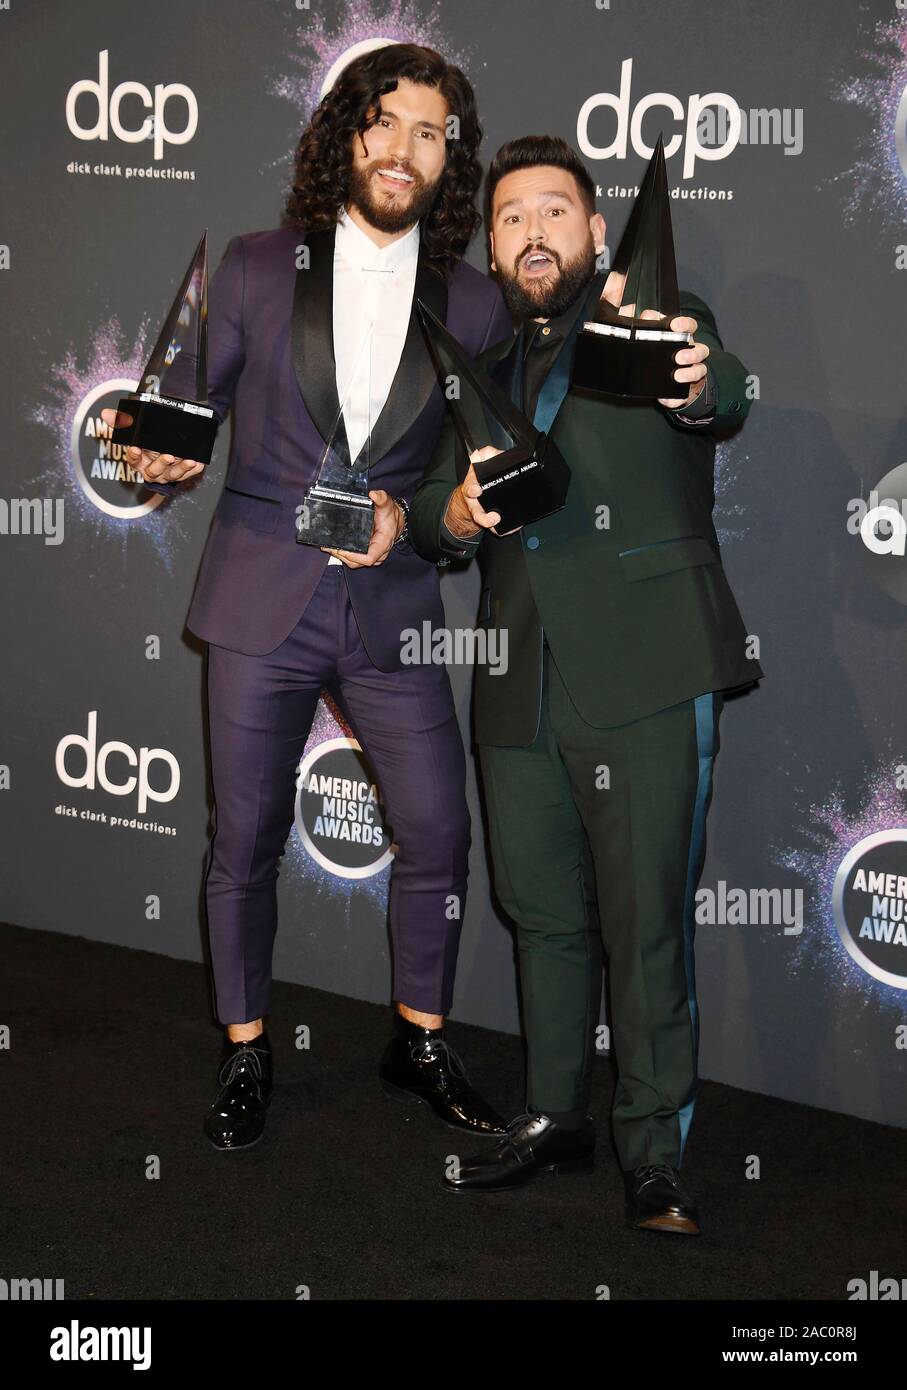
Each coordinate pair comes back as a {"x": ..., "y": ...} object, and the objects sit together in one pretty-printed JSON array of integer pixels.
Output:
[{"x": 226, "y": 349}]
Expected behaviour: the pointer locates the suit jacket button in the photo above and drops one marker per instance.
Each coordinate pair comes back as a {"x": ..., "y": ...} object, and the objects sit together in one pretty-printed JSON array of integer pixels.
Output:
[
  {"x": 734, "y": 406},
  {"x": 532, "y": 542}
]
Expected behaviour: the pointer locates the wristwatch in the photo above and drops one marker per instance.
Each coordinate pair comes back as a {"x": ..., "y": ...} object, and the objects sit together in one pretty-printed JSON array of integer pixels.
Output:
[{"x": 404, "y": 507}]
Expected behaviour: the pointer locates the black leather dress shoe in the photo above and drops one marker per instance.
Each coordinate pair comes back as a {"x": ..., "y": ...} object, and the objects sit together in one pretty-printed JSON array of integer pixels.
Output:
[
  {"x": 420, "y": 1068},
  {"x": 236, "y": 1120},
  {"x": 657, "y": 1202},
  {"x": 533, "y": 1144}
]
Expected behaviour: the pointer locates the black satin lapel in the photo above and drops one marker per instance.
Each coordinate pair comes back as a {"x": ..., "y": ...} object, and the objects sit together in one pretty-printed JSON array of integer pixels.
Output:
[
  {"x": 415, "y": 377},
  {"x": 312, "y": 332}
]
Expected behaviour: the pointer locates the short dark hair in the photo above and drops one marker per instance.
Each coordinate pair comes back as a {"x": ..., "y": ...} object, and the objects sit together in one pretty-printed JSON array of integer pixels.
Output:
[{"x": 528, "y": 152}]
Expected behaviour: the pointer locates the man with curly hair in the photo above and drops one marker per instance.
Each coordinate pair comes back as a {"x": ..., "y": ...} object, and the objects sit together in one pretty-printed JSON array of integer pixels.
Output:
[{"x": 381, "y": 212}]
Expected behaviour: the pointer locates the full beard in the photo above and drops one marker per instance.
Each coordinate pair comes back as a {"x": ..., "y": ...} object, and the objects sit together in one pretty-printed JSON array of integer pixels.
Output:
[
  {"x": 542, "y": 299},
  {"x": 386, "y": 211}
]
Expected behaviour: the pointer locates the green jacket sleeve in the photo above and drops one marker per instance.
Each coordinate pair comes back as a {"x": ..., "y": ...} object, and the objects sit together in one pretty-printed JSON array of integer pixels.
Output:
[
  {"x": 728, "y": 373},
  {"x": 427, "y": 533}
]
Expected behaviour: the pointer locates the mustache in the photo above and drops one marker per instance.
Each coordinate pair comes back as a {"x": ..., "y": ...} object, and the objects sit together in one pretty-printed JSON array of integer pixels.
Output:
[{"x": 535, "y": 250}]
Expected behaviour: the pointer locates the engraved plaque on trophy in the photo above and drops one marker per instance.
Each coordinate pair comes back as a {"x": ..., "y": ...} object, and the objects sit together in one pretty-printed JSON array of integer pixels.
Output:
[
  {"x": 337, "y": 512},
  {"x": 620, "y": 355},
  {"x": 525, "y": 482},
  {"x": 185, "y": 427}
]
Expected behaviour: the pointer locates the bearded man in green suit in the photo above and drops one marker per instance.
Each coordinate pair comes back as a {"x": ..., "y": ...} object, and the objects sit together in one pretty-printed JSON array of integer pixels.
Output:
[{"x": 597, "y": 741}]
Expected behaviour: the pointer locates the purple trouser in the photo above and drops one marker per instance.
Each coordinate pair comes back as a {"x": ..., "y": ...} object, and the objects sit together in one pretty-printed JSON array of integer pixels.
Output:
[{"x": 260, "y": 712}]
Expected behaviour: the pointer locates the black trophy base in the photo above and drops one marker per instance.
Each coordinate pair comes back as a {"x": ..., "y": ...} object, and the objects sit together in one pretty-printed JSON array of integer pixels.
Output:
[
  {"x": 168, "y": 425},
  {"x": 523, "y": 485},
  {"x": 640, "y": 368},
  {"x": 336, "y": 519}
]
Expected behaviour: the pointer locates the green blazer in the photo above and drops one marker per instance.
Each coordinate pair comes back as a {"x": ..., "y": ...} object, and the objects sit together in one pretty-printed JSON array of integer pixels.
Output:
[{"x": 626, "y": 579}]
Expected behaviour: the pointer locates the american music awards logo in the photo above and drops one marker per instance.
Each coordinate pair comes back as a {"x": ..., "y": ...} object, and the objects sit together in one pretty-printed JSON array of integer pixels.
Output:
[
  {"x": 104, "y": 492},
  {"x": 342, "y": 842},
  {"x": 339, "y": 815},
  {"x": 855, "y": 867},
  {"x": 870, "y": 905},
  {"x": 100, "y": 465}
]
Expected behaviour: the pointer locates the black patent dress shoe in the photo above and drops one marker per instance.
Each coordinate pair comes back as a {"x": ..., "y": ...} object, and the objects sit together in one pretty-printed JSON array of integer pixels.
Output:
[
  {"x": 533, "y": 1144},
  {"x": 420, "y": 1068},
  {"x": 236, "y": 1120},
  {"x": 657, "y": 1202}
]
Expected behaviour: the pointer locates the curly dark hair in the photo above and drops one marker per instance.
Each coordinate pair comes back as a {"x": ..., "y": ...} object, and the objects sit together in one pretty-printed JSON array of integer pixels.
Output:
[{"x": 324, "y": 154}]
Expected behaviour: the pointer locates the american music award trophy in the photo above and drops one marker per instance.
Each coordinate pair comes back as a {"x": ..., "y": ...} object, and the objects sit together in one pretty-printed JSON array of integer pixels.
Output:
[
  {"x": 619, "y": 355},
  {"x": 337, "y": 512},
  {"x": 165, "y": 424},
  {"x": 529, "y": 479}
]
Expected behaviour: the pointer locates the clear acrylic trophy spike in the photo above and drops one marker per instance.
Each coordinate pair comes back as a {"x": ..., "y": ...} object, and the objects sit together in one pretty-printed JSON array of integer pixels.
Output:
[
  {"x": 183, "y": 426},
  {"x": 337, "y": 512}
]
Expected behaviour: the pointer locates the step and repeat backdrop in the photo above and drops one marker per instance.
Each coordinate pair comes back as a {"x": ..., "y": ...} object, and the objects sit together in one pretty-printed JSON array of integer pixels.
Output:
[{"x": 126, "y": 130}]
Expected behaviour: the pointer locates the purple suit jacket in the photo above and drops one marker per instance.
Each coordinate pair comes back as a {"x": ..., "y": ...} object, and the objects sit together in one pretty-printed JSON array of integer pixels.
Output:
[{"x": 271, "y": 358}]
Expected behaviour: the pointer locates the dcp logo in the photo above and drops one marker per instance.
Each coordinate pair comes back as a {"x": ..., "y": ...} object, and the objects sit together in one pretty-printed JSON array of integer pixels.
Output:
[
  {"x": 95, "y": 770},
  {"x": 631, "y": 124},
  {"x": 109, "y": 116}
]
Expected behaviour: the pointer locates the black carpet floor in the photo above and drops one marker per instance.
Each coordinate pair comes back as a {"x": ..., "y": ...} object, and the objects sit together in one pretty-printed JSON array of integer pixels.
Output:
[{"x": 112, "y": 1065}]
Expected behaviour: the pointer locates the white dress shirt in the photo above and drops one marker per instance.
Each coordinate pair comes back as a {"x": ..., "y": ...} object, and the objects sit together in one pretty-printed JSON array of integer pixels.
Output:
[{"x": 373, "y": 295}]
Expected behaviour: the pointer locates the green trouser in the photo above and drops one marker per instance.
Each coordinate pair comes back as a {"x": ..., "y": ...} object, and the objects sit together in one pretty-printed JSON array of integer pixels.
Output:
[{"x": 613, "y": 818}]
